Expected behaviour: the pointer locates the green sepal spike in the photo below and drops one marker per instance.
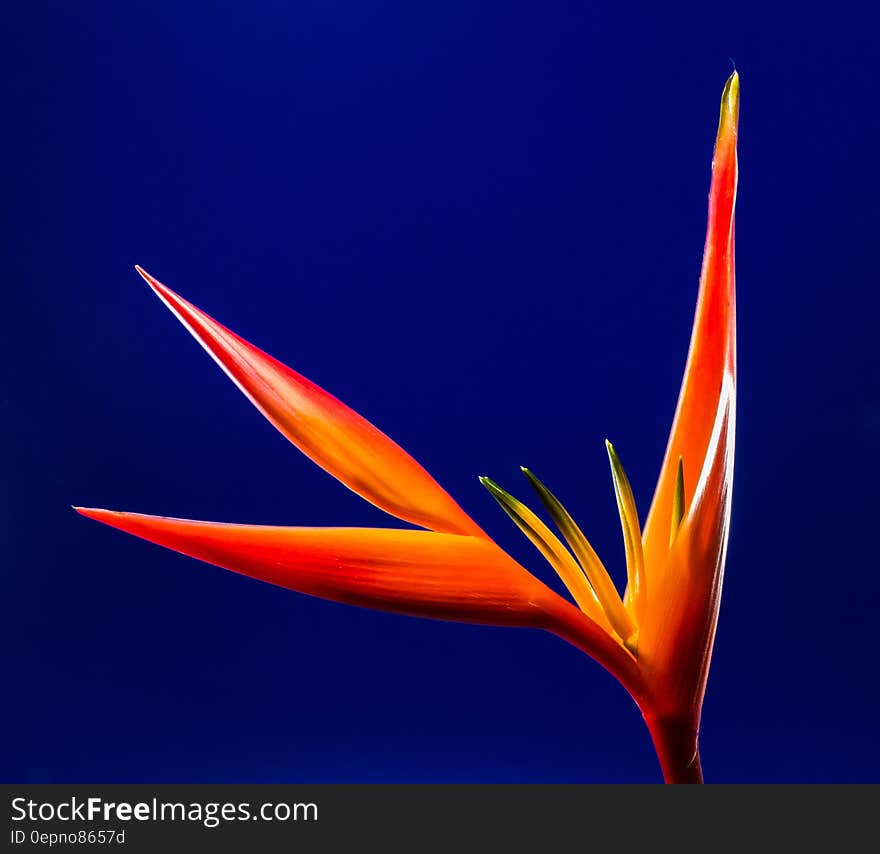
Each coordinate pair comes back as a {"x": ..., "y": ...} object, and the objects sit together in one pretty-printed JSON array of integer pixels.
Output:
[{"x": 677, "y": 503}]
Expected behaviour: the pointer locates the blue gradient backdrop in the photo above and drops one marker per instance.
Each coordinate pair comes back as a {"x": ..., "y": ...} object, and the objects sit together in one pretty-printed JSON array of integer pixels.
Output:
[{"x": 481, "y": 226}]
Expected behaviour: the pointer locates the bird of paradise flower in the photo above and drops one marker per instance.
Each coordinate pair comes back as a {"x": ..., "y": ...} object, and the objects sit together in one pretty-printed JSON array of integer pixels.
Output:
[{"x": 656, "y": 640}]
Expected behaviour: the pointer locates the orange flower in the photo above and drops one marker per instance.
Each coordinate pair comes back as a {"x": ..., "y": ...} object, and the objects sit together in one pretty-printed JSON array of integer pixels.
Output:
[{"x": 656, "y": 639}]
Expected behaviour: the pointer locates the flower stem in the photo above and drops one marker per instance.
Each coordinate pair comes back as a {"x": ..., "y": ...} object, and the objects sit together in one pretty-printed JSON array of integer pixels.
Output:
[{"x": 675, "y": 740}]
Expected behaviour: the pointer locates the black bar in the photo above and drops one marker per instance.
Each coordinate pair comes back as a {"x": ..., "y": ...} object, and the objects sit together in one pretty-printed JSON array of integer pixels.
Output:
[{"x": 131, "y": 818}]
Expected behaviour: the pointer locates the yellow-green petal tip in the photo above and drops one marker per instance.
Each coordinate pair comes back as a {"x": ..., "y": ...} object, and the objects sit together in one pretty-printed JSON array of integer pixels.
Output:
[{"x": 730, "y": 101}]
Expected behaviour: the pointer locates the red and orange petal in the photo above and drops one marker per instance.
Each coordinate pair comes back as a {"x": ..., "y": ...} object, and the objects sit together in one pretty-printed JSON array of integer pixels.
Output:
[
  {"x": 710, "y": 373},
  {"x": 421, "y": 573},
  {"x": 322, "y": 427}
]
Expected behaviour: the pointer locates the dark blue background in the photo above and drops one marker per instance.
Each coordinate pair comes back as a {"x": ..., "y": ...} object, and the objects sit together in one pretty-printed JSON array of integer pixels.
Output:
[{"x": 481, "y": 226}]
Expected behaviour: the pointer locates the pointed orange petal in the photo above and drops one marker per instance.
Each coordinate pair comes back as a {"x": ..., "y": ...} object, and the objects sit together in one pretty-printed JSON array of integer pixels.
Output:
[
  {"x": 420, "y": 573},
  {"x": 709, "y": 383},
  {"x": 445, "y": 576},
  {"x": 325, "y": 429}
]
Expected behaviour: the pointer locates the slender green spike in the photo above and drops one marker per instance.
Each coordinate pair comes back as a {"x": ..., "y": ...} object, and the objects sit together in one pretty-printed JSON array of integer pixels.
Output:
[
  {"x": 595, "y": 571},
  {"x": 636, "y": 589},
  {"x": 553, "y": 551},
  {"x": 677, "y": 503}
]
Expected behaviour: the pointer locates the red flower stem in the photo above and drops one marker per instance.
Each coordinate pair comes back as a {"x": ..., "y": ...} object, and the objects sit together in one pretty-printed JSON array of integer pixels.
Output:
[{"x": 675, "y": 740}]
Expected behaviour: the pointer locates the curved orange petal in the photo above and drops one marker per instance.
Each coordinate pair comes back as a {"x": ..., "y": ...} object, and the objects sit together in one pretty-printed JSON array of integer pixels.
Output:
[
  {"x": 322, "y": 427},
  {"x": 420, "y": 573},
  {"x": 709, "y": 382}
]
